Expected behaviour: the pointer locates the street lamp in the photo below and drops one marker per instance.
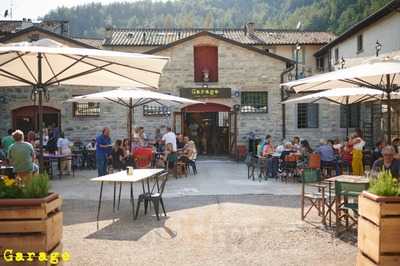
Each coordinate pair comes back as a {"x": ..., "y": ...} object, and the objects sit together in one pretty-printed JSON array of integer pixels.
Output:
[
  {"x": 378, "y": 47},
  {"x": 298, "y": 47}
]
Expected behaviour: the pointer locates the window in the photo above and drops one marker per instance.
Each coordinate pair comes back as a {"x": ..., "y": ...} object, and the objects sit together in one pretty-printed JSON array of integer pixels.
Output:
[
  {"x": 86, "y": 109},
  {"x": 156, "y": 110},
  {"x": 355, "y": 111},
  {"x": 307, "y": 115},
  {"x": 254, "y": 102},
  {"x": 336, "y": 55},
  {"x": 205, "y": 64},
  {"x": 360, "y": 47},
  {"x": 301, "y": 58}
]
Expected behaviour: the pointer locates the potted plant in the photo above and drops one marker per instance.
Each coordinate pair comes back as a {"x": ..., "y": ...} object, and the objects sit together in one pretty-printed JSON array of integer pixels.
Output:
[
  {"x": 379, "y": 222},
  {"x": 30, "y": 216}
]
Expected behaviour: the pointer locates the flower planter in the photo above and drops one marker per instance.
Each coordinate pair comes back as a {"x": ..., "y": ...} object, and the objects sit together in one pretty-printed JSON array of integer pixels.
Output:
[
  {"x": 378, "y": 230},
  {"x": 31, "y": 225}
]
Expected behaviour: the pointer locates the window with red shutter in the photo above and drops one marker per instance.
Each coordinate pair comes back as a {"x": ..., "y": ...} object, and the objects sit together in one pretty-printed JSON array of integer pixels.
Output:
[{"x": 205, "y": 64}]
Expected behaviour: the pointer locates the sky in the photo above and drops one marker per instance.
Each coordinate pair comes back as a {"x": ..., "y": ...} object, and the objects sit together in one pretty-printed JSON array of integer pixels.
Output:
[{"x": 36, "y": 8}]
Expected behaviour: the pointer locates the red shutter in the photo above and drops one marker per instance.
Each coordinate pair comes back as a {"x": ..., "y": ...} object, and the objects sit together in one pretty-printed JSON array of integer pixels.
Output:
[{"x": 206, "y": 57}]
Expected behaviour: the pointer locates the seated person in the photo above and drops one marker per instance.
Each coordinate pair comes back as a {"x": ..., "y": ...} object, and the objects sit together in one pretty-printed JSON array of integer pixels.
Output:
[
  {"x": 22, "y": 156},
  {"x": 388, "y": 163},
  {"x": 327, "y": 155},
  {"x": 288, "y": 149},
  {"x": 180, "y": 143},
  {"x": 377, "y": 153},
  {"x": 118, "y": 156}
]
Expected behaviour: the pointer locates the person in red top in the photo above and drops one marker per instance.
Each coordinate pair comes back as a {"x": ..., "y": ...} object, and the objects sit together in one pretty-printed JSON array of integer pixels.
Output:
[{"x": 347, "y": 155}]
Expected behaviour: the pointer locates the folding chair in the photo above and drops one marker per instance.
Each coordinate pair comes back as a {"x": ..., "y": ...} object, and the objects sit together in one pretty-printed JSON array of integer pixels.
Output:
[
  {"x": 345, "y": 210},
  {"x": 313, "y": 192}
]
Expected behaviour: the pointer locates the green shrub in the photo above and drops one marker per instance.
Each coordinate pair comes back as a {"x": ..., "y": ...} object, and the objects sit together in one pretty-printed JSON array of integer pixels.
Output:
[
  {"x": 384, "y": 185},
  {"x": 38, "y": 187}
]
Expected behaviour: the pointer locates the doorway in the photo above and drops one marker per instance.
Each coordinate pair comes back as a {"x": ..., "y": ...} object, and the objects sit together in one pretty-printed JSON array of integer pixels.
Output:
[
  {"x": 209, "y": 126},
  {"x": 27, "y": 118}
]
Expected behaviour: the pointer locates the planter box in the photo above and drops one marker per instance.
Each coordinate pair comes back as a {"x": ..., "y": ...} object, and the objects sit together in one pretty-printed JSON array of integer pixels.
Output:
[
  {"x": 31, "y": 225},
  {"x": 378, "y": 230}
]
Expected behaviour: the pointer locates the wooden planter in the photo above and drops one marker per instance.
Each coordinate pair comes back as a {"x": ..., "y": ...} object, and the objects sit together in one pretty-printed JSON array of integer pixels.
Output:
[
  {"x": 378, "y": 230},
  {"x": 31, "y": 225}
]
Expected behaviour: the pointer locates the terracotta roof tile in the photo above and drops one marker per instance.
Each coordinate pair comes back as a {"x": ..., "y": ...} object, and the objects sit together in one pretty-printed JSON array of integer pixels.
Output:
[{"x": 160, "y": 37}]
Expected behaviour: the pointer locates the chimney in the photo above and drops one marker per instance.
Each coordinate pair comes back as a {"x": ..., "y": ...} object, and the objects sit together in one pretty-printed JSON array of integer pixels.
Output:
[
  {"x": 108, "y": 34},
  {"x": 25, "y": 23},
  {"x": 249, "y": 28}
]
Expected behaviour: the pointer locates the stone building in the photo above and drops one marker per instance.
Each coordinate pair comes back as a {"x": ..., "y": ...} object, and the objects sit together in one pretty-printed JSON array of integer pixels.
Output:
[
  {"x": 236, "y": 72},
  {"x": 377, "y": 34}
]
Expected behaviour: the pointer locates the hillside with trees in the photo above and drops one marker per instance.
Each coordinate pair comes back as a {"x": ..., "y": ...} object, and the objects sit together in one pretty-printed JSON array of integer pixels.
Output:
[{"x": 326, "y": 15}]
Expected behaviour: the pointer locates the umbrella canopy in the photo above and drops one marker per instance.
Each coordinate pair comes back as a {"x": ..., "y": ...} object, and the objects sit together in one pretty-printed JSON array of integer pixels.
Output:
[
  {"x": 379, "y": 75},
  {"x": 132, "y": 98},
  {"x": 342, "y": 96},
  {"x": 62, "y": 65},
  {"x": 138, "y": 95},
  {"x": 44, "y": 63}
]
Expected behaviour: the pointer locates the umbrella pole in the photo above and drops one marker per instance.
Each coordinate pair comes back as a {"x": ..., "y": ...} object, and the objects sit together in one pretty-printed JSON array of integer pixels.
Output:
[
  {"x": 40, "y": 91},
  {"x": 348, "y": 116},
  {"x": 389, "y": 106},
  {"x": 130, "y": 123}
]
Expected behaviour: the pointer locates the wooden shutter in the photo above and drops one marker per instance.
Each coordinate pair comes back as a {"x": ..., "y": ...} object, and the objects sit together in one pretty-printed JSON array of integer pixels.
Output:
[{"x": 206, "y": 57}]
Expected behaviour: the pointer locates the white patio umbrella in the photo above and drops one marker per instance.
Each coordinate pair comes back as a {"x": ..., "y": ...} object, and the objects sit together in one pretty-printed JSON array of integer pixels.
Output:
[
  {"x": 342, "y": 96},
  {"x": 381, "y": 74},
  {"x": 46, "y": 63},
  {"x": 132, "y": 98}
]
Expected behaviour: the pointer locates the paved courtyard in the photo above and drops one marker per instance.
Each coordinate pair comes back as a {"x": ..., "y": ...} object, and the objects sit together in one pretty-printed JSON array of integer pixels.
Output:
[{"x": 215, "y": 218}]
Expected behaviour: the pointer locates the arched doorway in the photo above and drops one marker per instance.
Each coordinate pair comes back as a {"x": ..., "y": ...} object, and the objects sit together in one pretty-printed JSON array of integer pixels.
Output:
[
  {"x": 26, "y": 118},
  {"x": 210, "y": 125}
]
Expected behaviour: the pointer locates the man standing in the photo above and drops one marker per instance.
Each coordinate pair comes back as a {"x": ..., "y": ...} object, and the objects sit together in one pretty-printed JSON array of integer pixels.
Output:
[
  {"x": 21, "y": 156},
  {"x": 170, "y": 137},
  {"x": 7, "y": 141},
  {"x": 64, "y": 148},
  {"x": 103, "y": 151}
]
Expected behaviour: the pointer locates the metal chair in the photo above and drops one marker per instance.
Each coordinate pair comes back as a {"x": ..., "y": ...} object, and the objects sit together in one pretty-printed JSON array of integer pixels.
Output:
[{"x": 154, "y": 197}]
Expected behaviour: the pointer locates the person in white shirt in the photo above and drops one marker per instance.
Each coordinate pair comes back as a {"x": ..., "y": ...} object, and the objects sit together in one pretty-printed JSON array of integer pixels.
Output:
[
  {"x": 170, "y": 137},
  {"x": 64, "y": 148},
  {"x": 91, "y": 146}
]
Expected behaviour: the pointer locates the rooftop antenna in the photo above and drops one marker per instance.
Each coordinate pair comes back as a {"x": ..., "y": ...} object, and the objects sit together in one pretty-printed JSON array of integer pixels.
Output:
[{"x": 11, "y": 9}]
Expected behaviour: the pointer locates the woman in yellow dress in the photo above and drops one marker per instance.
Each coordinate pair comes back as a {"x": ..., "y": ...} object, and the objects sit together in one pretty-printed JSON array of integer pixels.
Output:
[{"x": 357, "y": 162}]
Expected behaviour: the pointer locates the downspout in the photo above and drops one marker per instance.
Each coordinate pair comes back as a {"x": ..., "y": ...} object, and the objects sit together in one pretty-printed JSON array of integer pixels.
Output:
[{"x": 288, "y": 69}]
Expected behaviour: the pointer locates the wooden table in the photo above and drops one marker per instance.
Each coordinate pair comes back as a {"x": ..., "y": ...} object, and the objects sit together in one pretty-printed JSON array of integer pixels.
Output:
[
  {"x": 345, "y": 179},
  {"x": 139, "y": 175}
]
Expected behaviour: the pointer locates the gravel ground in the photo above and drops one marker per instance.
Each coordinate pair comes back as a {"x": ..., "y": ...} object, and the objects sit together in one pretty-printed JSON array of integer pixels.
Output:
[{"x": 202, "y": 230}]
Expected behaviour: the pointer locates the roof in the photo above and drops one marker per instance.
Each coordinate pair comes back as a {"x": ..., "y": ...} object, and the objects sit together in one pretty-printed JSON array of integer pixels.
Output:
[
  {"x": 50, "y": 33},
  {"x": 160, "y": 37},
  {"x": 97, "y": 43},
  {"x": 12, "y": 26},
  {"x": 220, "y": 37},
  {"x": 389, "y": 8}
]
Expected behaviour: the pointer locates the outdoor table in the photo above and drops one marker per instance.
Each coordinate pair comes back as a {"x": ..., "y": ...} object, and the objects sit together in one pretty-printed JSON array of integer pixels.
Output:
[
  {"x": 59, "y": 157},
  {"x": 341, "y": 178},
  {"x": 138, "y": 175}
]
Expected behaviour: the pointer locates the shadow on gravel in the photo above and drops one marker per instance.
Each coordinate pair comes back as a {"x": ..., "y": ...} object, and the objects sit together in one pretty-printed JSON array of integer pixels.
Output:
[{"x": 85, "y": 211}]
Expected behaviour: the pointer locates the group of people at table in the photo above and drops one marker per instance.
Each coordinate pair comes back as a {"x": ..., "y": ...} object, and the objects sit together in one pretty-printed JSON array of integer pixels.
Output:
[
  {"x": 164, "y": 151},
  {"x": 343, "y": 157}
]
